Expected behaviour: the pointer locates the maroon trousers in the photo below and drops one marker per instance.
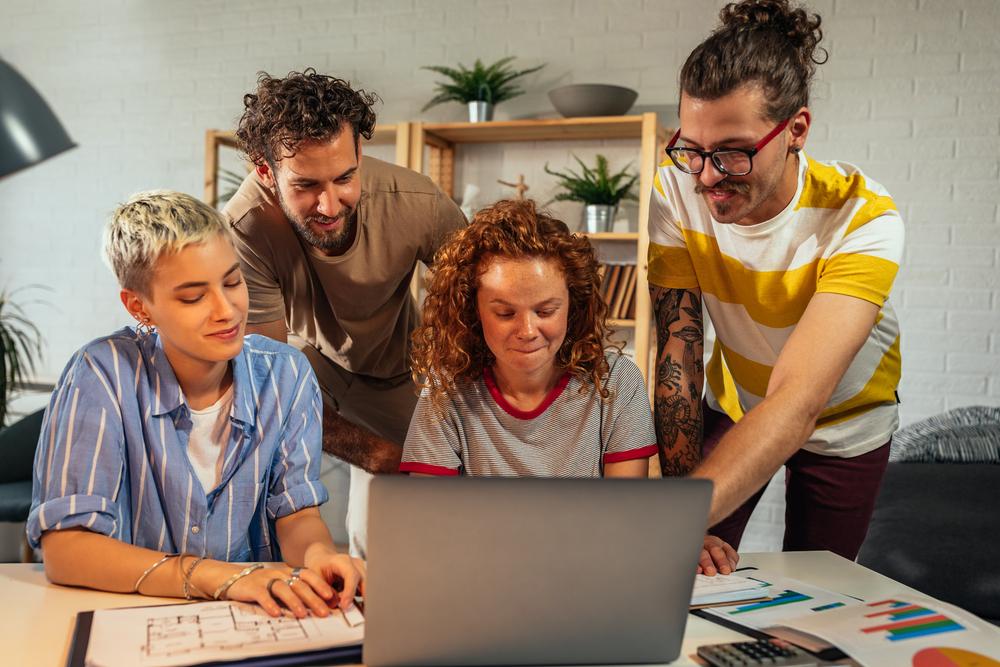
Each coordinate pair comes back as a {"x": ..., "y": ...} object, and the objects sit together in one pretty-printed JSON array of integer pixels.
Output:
[{"x": 828, "y": 500}]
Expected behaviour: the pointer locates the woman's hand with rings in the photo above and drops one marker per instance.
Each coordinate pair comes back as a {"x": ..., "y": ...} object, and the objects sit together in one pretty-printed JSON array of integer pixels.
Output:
[
  {"x": 341, "y": 571},
  {"x": 299, "y": 590}
]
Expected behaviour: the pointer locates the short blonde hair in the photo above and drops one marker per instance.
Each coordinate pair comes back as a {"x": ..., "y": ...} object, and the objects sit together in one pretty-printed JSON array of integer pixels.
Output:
[{"x": 150, "y": 224}]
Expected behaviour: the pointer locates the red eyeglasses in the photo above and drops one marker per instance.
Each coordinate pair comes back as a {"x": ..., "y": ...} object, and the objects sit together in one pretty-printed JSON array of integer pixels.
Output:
[{"x": 730, "y": 161}]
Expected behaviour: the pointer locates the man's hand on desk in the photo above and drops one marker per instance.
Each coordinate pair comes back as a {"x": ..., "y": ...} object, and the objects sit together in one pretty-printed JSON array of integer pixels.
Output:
[{"x": 717, "y": 557}]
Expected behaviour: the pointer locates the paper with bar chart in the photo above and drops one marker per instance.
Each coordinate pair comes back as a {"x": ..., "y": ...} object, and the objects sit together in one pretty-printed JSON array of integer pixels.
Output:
[
  {"x": 897, "y": 621},
  {"x": 908, "y": 631},
  {"x": 787, "y": 598}
]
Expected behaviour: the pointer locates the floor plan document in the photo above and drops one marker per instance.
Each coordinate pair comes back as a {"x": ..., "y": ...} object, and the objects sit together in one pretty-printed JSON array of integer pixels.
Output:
[{"x": 187, "y": 634}]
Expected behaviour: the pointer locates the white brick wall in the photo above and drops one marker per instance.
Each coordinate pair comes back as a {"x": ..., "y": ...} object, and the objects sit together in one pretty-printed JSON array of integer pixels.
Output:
[{"x": 910, "y": 94}]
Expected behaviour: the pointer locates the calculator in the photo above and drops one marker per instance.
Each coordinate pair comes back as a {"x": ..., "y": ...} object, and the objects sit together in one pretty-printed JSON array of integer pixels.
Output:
[{"x": 771, "y": 652}]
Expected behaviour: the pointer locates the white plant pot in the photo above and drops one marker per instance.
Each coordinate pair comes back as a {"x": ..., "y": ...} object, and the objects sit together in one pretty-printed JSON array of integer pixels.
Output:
[
  {"x": 598, "y": 218},
  {"x": 480, "y": 112}
]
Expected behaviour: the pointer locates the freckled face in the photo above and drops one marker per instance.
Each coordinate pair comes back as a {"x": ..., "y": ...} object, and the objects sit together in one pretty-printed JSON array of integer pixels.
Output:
[{"x": 524, "y": 309}]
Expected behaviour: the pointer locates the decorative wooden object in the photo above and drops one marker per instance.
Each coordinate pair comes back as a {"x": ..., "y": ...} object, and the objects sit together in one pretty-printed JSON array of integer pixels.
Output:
[{"x": 520, "y": 186}]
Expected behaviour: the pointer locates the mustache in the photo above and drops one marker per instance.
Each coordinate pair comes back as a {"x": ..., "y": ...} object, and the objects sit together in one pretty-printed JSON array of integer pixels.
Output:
[
  {"x": 323, "y": 219},
  {"x": 738, "y": 188}
]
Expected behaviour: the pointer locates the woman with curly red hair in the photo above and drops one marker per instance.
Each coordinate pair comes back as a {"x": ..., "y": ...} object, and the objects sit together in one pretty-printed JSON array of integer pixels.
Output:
[{"x": 517, "y": 378}]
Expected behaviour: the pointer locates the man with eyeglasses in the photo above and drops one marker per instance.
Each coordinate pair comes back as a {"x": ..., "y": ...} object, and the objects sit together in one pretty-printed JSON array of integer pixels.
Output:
[{"x": 794, "y": 260}]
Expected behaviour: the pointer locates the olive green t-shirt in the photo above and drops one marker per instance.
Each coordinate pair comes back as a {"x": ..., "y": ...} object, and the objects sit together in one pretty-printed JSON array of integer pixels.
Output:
[{"x": 355, "y": 308}]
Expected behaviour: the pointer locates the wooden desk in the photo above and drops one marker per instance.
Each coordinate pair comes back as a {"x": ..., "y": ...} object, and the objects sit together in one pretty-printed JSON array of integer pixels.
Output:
[{"x": 36, "y": 617}]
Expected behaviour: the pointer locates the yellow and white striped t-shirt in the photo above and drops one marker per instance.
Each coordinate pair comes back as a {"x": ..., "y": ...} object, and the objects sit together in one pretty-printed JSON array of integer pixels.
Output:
[{"x": 841, "y": 233}]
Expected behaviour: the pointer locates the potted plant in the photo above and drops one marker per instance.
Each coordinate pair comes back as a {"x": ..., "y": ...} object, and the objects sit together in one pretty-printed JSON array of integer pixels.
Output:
[
  {"x": 20, "y": 347},
  {"x": 481, "y": 87},
  {"x": 233, "y": 181},
  {"x": 599, "y": 190}
]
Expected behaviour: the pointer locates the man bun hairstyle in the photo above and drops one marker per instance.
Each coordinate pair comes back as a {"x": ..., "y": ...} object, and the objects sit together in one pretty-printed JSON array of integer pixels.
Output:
[
  {"x": 303, "y": 106},
  {"x": 770, "y": 43}
]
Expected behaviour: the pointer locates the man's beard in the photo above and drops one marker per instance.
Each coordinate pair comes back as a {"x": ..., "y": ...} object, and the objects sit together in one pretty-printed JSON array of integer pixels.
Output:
[
  {"x": 723, "y": 209},
  {"x": 333, "y": 242}
]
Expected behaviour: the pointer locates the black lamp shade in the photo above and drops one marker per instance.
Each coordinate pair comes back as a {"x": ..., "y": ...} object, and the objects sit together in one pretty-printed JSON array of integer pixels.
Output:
[{"x": 29, "y": 131}]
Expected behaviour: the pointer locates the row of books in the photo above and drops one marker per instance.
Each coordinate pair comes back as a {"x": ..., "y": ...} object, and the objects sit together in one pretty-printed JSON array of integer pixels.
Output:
[{"x": 618, "y": 289}]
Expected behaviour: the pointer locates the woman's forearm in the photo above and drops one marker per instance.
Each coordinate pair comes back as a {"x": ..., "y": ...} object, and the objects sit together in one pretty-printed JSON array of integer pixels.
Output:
[
  {"x": 302, "y": 532},
  {"x": 82, "y": 558}
]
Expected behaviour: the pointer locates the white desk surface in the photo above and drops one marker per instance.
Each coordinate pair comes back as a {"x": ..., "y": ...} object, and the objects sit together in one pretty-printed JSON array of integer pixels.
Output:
[{"x": 36, "y": 617}]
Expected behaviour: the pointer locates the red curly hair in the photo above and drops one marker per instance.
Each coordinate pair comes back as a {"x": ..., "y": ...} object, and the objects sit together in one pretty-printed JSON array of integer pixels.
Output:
[{"x": 449, "y": 347}]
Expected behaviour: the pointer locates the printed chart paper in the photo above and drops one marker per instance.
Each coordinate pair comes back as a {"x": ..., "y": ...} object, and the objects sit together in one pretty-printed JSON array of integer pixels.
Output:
[
  {"x": 787, "y": 598},
  {"x": 724, "y": 588},
  {"x": 944, "y": 656},
  {"x": 185, "y": 634},
  {"x": 910, "y": 631}
]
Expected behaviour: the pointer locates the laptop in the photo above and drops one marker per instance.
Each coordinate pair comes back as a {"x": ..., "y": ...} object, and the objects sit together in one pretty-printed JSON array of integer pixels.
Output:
[{"x": 491, "y": 571}]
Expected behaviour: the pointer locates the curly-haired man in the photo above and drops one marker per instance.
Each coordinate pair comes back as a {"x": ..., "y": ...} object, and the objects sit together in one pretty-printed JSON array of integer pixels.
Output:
[{"x": 329, "y": 243}]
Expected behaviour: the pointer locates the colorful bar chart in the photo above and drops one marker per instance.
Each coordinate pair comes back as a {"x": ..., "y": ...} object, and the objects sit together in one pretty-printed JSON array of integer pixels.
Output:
[
  {"x": 785, "y": 597},
  {"x": 908, "y": 621}
]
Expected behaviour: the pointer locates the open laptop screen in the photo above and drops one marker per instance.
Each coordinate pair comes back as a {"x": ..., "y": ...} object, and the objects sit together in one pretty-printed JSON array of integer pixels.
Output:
[{"x": 488, "y": 571}]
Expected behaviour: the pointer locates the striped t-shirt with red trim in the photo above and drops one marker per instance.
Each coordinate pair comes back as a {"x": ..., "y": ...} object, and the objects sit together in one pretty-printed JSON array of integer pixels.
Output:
[{"x": 570, "y": 434}]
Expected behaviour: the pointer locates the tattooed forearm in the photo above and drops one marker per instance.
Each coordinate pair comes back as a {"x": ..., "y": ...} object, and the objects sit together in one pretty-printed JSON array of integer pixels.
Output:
[
  {"x": 357, "y": 445},
  {"x": 666, "y": 307},
  {"x": 668, "y": 374},
  {"x": 675, "y": 418},
  {"x": 680, "y": 376}
]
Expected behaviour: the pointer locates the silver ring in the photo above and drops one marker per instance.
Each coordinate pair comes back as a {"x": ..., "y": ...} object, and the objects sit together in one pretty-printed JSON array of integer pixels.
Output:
[
  {"x": 291, "y": 580},
  {"x": 296, "y": 573},
  {"x": 270, "y": 585}
]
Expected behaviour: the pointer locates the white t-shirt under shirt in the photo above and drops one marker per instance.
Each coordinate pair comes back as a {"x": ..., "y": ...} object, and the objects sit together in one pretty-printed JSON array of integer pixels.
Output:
[
  {"x": 570, "y": 434},
  {"x": 209, "y": 431},
  {"x": 840, "y": 234}
]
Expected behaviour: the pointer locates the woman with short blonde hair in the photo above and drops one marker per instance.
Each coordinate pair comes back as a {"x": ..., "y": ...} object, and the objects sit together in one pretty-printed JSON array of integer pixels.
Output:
[{"x": 172, "y": 451}]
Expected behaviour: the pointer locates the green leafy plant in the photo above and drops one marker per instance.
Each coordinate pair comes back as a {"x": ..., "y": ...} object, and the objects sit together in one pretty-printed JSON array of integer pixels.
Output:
[
  {"x": 20, "y": 348},
  {"x": 493, "y": 83},
  {"x": 233, "y": 181},
  {"x": 594, "y": 185}
]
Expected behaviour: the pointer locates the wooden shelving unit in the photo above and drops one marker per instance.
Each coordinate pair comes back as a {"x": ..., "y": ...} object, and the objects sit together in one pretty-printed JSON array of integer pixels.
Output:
[
  {"x": 613, "y": 236},
  {"x": 442, "y": 140},
  {"x": 215, "y": 140}
]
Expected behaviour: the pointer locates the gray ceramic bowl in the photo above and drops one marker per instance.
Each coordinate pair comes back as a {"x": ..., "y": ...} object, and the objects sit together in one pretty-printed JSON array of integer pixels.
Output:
[{"x": 592, "y": 99}]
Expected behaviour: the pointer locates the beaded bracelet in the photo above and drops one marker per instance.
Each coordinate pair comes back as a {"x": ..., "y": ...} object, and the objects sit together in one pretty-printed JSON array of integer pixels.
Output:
[
  {"x": 221, "y": 591},
  {"x": 187, "y": 580},
  {"x": 149, "y": 570}
]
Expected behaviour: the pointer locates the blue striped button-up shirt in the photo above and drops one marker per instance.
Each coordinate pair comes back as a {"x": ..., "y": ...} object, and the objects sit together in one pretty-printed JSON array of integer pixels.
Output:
[{"x": 112, "y": 456}]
